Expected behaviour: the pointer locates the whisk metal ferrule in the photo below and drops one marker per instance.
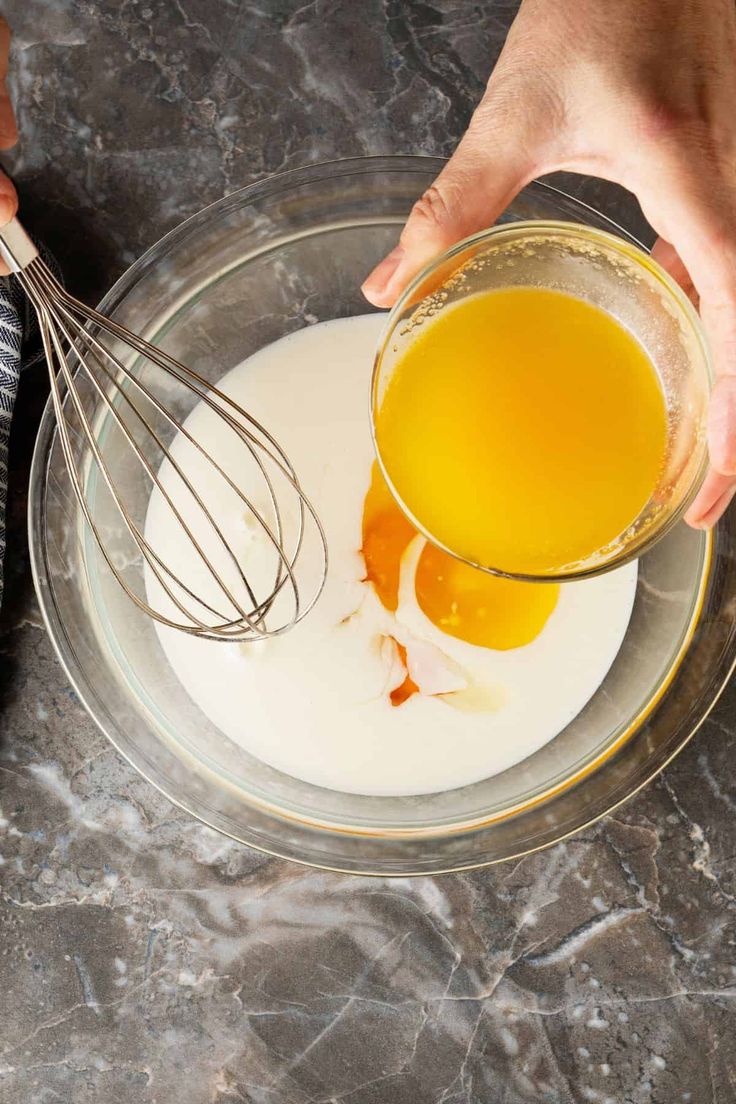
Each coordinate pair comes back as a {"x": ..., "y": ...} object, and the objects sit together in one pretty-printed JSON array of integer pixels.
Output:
[{"x": 16, "y": 248}]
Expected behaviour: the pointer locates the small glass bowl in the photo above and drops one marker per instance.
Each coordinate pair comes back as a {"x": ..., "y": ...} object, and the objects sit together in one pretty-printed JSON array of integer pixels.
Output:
[{"x": 621, "y": 279}]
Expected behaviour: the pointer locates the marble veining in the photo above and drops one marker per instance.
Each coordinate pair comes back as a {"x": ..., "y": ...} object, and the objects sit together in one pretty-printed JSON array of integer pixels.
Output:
[{"x": 145, "y": 959}]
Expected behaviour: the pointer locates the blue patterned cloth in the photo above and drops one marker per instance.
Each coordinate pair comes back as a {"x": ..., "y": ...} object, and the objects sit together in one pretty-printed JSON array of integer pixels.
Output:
[
  {"x": 12, "y": 328},
  {"x": 20, "y": 345}
]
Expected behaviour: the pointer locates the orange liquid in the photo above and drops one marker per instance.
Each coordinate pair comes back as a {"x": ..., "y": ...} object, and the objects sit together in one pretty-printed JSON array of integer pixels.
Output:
[
  {"x": 462, "y": 601},
  {"x": 524, "y": 429}
]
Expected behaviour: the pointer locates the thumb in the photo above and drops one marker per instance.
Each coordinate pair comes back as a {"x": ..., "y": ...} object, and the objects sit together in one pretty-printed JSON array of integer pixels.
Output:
[{"x": 478, "y": 182}]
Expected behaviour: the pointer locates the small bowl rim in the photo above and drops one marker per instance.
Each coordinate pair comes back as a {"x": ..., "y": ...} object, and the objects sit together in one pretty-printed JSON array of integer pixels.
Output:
[{"x": 631, "y": 249}]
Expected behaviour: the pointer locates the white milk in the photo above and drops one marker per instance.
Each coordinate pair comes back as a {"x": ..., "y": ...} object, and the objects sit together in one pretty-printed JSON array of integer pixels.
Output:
[{"x": 314, "y": 703}]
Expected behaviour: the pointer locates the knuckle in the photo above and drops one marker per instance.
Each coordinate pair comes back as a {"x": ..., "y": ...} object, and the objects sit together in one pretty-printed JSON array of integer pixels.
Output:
[
  {"x": 666, "y": 119},
  {"x": 688, "y": 126},
  {"x": 433, "y": 208},
  {"x": 531, "y": 112}
]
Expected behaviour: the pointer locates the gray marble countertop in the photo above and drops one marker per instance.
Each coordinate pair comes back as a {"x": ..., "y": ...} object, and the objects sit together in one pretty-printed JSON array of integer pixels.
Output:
[{"x": 143, "y": 958}]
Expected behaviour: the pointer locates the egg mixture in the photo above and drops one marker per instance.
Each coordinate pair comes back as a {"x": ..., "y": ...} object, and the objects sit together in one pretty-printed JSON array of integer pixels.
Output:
[{"x": 414, "y": 673}]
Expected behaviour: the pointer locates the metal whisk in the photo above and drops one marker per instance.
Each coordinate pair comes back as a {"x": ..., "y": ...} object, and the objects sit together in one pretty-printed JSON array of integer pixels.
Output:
[{"x": 91, "y": 357}]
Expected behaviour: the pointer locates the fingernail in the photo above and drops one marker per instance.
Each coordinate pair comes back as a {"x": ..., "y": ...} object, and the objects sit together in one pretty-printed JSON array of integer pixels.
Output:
[{"x": 376, "y": 286}]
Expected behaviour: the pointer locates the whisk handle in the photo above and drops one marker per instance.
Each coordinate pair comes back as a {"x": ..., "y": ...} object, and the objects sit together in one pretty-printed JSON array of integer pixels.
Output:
[{"x": 16, "y": 248}]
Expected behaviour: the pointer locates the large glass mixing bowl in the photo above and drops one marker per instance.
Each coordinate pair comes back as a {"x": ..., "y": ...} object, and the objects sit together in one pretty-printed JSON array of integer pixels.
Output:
[{"x": 263, "y": 262}]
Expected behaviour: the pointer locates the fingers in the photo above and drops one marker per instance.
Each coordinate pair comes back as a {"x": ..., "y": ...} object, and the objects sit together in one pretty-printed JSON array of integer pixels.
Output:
[
  {"x": 8, "y": 135},
  {"x": 8, "y": 199},
  {"x": 700, "y": 222},
  {"x": 718, "y": 487},
  {"x": 4, "y": 47},
  {"x": 713, "y": 498},
  {"x": 8, "y": 129},
  {"x": 667, "y": 256},
  {"x": 478, "y": 182},
  {"x": 8, "y": 208}
]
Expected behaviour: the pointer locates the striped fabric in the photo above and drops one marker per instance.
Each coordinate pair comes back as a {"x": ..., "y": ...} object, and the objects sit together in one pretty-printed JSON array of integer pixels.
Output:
[
  {"x": 20, "y": 344},
  {"x": 11, "y": 339}
]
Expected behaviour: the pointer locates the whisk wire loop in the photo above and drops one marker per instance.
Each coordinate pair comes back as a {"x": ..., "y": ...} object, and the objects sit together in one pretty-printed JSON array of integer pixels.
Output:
[{"x": 210, "y": 604}]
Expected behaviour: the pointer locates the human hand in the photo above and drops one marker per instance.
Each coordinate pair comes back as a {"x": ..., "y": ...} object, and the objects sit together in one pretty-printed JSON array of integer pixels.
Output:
[
  {"x": 8, "y": 135},
  {"x": 642, "y": 93}
]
